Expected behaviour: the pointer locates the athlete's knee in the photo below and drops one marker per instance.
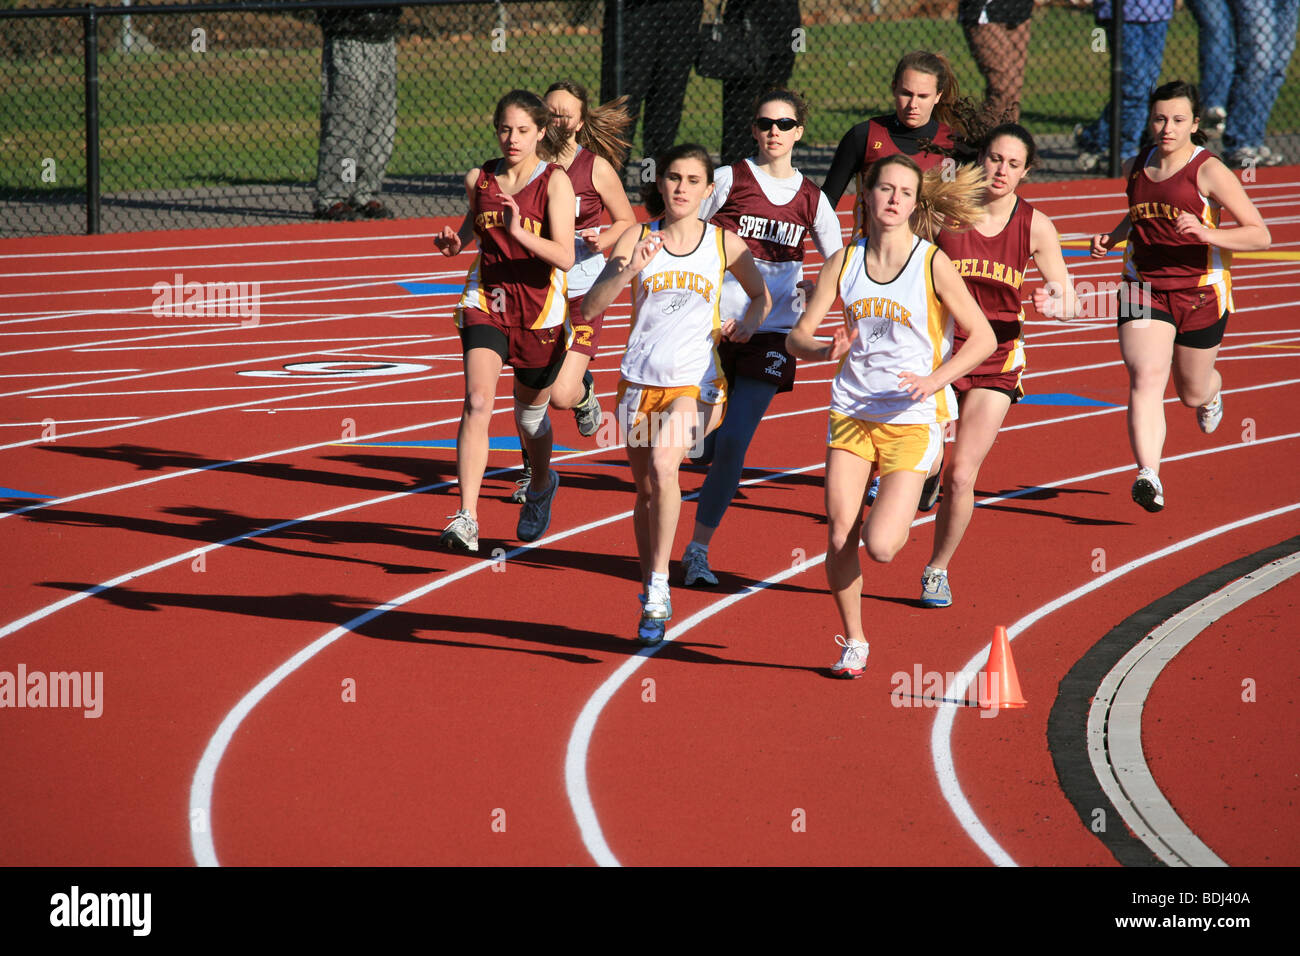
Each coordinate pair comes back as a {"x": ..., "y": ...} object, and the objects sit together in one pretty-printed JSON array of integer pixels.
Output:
[
  {"x": 565, "y": 396},
  {"x": 881, "y": 548},
  {"x": 841, "y": 536},
  {"x": 532, "y": 420},
  {"x": 959, "y": 478},
  {"x": 479, "y": 402},
  {"x": 663, "y": 471}
]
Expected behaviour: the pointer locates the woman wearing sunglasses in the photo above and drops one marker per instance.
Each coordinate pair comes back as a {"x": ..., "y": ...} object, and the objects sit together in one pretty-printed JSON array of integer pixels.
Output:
[{"x": 773, "y": 208}]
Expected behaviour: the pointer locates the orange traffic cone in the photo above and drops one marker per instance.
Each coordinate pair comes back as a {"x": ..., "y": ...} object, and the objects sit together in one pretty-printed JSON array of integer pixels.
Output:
[{"x": 999, "y": 687}]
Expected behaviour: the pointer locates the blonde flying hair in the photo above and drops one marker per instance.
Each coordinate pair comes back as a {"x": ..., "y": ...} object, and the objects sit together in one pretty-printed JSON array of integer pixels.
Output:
[{"x": 948, "y": 196}]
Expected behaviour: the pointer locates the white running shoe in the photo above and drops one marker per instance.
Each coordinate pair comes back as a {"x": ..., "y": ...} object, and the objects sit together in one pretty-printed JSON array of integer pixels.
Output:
[
  {"x": 461, "y": 534},
  {"x": 1210, "y": 414},
  {"x": 656, "y": 611},
  {"x": 1148, "y": 492},
  {"x": 935, "y": 591},
  {"x": 853, "y": 662}
]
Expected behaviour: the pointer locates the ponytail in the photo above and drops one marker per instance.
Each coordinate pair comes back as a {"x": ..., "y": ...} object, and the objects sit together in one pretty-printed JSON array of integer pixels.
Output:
[{"x": 604, "y": 127}]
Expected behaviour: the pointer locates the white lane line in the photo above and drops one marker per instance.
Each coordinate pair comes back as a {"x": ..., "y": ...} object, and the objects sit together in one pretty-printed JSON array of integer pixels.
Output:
[
  {"x": 575, "y": 760},
  {"x": 395, "y": 341},
  {"x": 89, "y": 371},
  {"x": 207, "y": 268},
  {"x": 201, "y": 843},
  {"x": 120, "y": 345},
  {"x": 941, "y": 734},
  {"x": 1115, "y": 719},
  {"x": 69, "y": 421},
  {"x": 308, "y": 381},
  {"x": 221, "y": 408},
  {"x": 305, "y": 241}
]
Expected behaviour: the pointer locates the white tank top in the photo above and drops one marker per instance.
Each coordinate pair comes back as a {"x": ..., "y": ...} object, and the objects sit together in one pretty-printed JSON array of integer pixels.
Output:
[
  {"x": 675, "y": 319},
  {"x": 902, "y": 327}
]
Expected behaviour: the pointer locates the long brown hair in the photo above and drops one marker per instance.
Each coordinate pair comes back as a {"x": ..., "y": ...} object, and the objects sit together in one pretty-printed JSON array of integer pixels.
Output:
[
  {"x": 650, "y": 194},
  {"x": 937, "y": 65},
  {"x": 531, "y": 103},
  {"x": 603, "y": 127}
]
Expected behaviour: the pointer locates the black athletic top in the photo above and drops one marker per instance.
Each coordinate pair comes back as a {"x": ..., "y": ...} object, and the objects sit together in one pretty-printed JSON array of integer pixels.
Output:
[{"x": 851, "y": 155}]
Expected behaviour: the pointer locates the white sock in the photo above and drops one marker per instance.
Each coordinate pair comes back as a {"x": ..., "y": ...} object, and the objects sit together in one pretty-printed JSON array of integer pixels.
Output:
[{"x": 658, "y": 580}]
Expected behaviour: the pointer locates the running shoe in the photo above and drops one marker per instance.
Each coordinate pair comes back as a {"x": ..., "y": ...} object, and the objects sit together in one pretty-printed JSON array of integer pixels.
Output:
[
  {"x": 1210, "y": 414},
  {"x": 656, "y": 612},
  {"x": 535, "y": 515},
  {"x": 1148, "y": 492},
  {"x": 461, "y": 534},
  {"x": 587, "y": 412},
  {"x": 873, "y": 490},
  {"x": 1215, "y": 119},
  {"x": 853, "y": 662},
  {"x": 525, "y": 478},
  {"x": 930, "y": 490},
  {"x": 695, "y": 568},
  {"x": 934, "y": 588},
  {"x": 1246, "y": 157}
]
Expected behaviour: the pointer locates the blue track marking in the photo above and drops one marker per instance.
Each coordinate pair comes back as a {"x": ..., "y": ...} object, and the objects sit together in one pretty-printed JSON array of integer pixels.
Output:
[
  {"x": 496, "y": 444},
  {"x": 430, "y": 288},
  {"x": 15, "y": 493},
  {"x": 1064, "y": 398}
]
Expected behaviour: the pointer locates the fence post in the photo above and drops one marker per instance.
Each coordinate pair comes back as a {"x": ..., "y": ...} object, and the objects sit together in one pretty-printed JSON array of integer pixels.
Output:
[
  {"x": 1116, "y": 84},
  {"x": 619, "y": 87},
  {"x": 91, "y": 41}
]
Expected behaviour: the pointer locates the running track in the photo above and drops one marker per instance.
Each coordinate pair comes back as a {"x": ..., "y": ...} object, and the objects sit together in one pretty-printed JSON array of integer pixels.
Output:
[{"x": 237, "y": 554}]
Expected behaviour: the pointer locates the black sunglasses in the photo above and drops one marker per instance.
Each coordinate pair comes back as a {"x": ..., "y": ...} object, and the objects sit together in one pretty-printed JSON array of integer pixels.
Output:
[{"x": 785, "y": 123}]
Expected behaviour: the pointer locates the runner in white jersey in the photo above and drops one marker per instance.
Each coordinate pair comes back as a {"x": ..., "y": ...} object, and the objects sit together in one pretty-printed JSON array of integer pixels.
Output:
[
  {"x": 902, "y": 299},
  {"x": 774, "y": 208},
  {"x": 673, "y": 392}
]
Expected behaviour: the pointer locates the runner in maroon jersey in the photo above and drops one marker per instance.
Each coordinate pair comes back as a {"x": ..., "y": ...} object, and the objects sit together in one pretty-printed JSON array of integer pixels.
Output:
[
  {"x": 592, "y": 154},
  {"x": 513, "y": 310},
  {"x": 922, "y": 127},
  {"x": 1176, "y": 272},
  {"x": 592, "y": 151},
  {"x": 773, "y": 208},
  {"x": 991, "y": 257}
]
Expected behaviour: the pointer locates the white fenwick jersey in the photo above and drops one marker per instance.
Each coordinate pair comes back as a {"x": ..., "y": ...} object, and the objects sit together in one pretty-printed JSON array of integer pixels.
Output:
[{"x": 902, "y": 327}]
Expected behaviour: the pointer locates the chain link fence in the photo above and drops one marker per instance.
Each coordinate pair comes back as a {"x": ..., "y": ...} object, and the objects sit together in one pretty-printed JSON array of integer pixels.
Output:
[{"x": 211, "y": 114}]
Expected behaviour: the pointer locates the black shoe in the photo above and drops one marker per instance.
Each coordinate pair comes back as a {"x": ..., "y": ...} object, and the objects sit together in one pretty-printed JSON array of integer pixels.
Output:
[
  {"x": 339, "y": 212},
  {"x": 373, "y": 210},
  {"x": 930, "y": 490}
]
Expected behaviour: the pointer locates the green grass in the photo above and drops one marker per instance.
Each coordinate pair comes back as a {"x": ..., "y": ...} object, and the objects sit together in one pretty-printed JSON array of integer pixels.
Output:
[{"x": 186, "y": 120}]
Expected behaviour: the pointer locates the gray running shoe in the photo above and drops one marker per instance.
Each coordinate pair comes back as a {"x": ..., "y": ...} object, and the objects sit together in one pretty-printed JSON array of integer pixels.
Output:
[
  {"x": 521, "y": 484},
  {"x": 587, "y": 413},
  {"x": 535, "y": 515},
  {"x": 1210, "y": 414},
  {"x": 695, "y": 569}
]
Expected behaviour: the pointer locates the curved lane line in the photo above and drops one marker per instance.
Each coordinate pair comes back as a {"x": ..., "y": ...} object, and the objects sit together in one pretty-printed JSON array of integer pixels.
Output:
[
  {"x": 1115, "y": 719},
  {"x": 205, "y": 775},
  {"x": 941, "y": 734},
  {"x": 575, "y": 760}
]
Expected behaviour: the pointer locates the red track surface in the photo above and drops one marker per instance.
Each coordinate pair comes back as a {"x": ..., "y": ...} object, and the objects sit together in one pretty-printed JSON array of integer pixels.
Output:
[{"x": 466, "y": 695}]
